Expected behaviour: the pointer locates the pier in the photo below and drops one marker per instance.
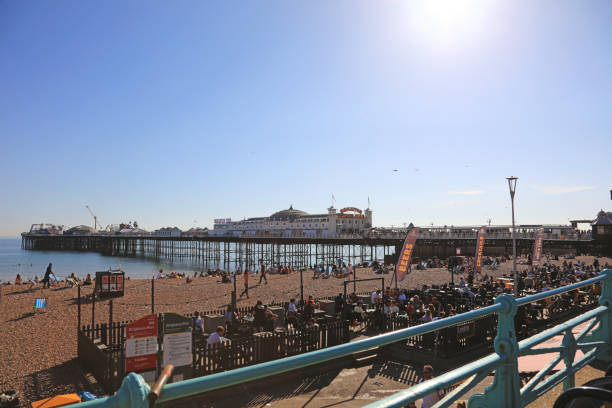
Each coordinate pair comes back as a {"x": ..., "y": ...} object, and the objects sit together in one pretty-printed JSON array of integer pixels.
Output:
[{"x": 231, "y": 252}]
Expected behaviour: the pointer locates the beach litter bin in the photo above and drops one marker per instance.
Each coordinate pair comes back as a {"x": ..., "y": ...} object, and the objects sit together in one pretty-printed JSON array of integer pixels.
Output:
[
  {"x": 280, "y": 312},
  {"x": 328, "y": 306},
  {"x": 57, "y": 401}
]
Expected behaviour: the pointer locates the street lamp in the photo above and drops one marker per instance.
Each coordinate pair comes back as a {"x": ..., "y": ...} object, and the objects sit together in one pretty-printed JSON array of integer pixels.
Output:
[{"x": 512, "y": 187}]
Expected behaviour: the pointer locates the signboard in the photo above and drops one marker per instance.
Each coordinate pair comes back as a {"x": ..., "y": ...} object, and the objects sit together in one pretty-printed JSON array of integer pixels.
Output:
[
  {"x": 223, "y": 220},
  {"x": 537, "y": 248},
  {"x": 110, "y": 283},
  {"x": 353, "y": 209},
  {"x": 480, "y": 241},
  {"x": 458, "y": 251},
  {"x": 403, "y": 262},
  {"x": 466, "y": 331},
  {"x": 141, "y": 346},
  {"x": 177, "y": 344}
]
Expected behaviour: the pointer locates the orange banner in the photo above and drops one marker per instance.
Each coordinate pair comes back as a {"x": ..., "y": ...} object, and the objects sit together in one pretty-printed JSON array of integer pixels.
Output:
[
  {"x": 479, "y": 247},
  {"x": 403, "y": 262}
]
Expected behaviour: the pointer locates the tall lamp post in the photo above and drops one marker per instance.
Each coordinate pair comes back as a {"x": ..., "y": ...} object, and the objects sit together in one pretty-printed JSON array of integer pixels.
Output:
[{"x": 512, "y": 187}]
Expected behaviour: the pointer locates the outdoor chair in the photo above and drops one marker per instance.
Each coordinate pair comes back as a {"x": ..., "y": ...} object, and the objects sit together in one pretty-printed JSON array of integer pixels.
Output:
[{"x": 40, "y": 304}]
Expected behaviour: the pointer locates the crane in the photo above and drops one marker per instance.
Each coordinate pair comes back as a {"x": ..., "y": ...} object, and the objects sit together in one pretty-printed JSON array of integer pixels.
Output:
[{"x": 94, "y": 217}]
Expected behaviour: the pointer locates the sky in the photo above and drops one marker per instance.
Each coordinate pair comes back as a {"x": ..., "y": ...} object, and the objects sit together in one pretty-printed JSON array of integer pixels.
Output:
[{"x": 177, "y": 113}]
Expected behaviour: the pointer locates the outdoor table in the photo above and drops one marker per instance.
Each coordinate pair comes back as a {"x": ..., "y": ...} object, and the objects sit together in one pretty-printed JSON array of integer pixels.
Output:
[{"x": 319, "y": 312}]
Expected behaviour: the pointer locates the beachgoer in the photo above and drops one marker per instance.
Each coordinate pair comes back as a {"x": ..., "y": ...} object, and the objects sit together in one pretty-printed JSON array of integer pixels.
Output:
[
  {"x": 263, "y": 273},
  {"x": 18, "y": 280},
  {"x": 292, "y": 313},
  {"x": 431, "y": 399},
  {"x": 47, "y": 278},
  {"x": 259, "y": 316},
  {"x": 199, "y": 326},
  {"x": 246, "y": 284},
  {"x": 217, "y": 336},
  {"x": 87, "y": 280}
]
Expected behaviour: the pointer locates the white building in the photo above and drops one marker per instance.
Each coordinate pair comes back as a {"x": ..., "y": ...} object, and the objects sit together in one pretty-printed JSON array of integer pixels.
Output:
[
  {"x": 168, "y": 232},
  {"x": 296, "y": 223}
]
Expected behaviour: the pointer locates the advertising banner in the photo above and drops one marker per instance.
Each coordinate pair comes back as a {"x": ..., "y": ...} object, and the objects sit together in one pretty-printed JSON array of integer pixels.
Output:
[
  {"x": 537, "y": 248},
  {"x": 403, "y": 262},
  {"x": 141, "y": 346},
  {"x": 480, "y": 241}
]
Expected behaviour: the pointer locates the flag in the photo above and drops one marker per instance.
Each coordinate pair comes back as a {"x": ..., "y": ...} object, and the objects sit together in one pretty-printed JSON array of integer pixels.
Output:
[
  {"x": 537, "y": 248},
  {"x": 480, "y": 241},
  {"x": 403, "y": 261}
]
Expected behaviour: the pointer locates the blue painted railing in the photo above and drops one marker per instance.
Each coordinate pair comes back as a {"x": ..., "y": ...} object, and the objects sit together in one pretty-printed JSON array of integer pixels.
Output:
[{"x": 505, "y": 391}]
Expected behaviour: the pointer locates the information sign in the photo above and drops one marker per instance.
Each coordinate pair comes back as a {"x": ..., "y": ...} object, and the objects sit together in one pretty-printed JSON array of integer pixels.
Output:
[
  {"x": 141, "y": 345},
  {"x": 178, "y": 344}
]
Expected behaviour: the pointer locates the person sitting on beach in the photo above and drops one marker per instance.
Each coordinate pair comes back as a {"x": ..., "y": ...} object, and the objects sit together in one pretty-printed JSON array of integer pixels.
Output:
[
  {"x": 312, "y": 324},
  {"x": 216, "y": 337},
  {"x": 18, "y": 280},
  {"x": 199, "y": 326},
  {"x": 160, "y": 274},
  {"x": 189, "y": 280},
  {"x": 259, "y": 316},
  {"x": 292, "y": 313},
  {"x": 87, "y": 280},
  {"x": 33, "y": 283}
]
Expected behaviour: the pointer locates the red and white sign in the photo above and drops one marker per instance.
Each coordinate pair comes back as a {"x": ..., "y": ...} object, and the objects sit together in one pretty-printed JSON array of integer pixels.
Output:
[
  {"x": 141, "y": 344},
  {"x": 537, "y": 248}
]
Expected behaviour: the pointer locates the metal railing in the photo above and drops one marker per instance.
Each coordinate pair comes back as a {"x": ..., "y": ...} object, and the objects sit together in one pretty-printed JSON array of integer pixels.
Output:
[{"x": 506, "y": 390}]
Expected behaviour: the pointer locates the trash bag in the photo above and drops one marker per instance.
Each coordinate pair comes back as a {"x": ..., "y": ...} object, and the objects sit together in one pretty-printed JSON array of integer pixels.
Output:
[
  {"x": 9, "y": 399},
  {"x": 86, "y": 396}
]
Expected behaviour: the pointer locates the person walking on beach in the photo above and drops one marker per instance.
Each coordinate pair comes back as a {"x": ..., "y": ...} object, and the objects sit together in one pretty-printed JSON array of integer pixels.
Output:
[
  {"x": 246, "y": 283},
  {"x": 263, "y": 273},
  {"x": 47, "y": 278}
]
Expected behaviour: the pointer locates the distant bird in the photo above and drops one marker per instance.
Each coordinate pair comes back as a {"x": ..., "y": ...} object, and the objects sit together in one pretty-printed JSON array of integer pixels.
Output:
[
  {"x": 395, "y": 170},
  {"x": 415, "y": 169}
]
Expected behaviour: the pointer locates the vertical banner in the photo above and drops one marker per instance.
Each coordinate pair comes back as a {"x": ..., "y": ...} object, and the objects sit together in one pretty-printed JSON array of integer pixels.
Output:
[
  {"x": 480, "y": 241},
  {"x": 177, "y": 345},
  {"x": 403, "y": 262},
  {"x": 537, "y": 248},
  {"x": 141, "y": 347}
]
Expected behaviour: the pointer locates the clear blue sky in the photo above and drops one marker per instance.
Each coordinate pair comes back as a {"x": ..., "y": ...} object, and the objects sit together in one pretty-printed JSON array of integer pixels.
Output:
[{"x": 173, "y": 112}]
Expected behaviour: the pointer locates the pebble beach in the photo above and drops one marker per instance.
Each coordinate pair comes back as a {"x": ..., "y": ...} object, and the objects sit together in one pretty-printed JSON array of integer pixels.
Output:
[{"x": 38, "y": 351}]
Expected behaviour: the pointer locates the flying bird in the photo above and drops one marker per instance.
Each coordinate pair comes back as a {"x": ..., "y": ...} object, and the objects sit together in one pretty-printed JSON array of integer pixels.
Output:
[{"x": 395, "y": 170}]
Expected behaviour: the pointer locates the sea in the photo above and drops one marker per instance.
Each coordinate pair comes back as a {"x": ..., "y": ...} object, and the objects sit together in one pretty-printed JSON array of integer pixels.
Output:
[{"x": 14, "y": 260}]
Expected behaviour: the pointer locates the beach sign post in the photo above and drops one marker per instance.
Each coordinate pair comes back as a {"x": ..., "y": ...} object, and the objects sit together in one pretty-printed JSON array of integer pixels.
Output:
[
  {"x": 141, "y": 347},
  {"x": 177, "y": 345}
]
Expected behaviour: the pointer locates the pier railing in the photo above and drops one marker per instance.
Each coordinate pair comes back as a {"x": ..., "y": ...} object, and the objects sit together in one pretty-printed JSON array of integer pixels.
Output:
[{"x": 506, "y": 391}]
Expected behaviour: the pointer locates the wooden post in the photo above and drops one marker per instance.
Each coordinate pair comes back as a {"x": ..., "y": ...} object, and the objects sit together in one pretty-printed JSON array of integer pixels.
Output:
[
  {"x": 110, "y": 322},
  {"x": 153, "y": 296},
  {"x": 93, "y": 312},
  {"x": 79, "y": 308}
]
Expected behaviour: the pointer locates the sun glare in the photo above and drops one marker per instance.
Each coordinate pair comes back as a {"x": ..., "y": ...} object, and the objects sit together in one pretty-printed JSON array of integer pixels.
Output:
[{"x": 449, "y": 23}]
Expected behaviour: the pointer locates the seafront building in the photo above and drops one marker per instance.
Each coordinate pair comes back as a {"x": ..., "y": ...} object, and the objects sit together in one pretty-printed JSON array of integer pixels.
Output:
[{"x": 296, "y": 223}]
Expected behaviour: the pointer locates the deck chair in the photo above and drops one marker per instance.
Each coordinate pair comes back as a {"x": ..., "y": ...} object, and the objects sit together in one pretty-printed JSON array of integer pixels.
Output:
[{"x": 40, "y": 304}]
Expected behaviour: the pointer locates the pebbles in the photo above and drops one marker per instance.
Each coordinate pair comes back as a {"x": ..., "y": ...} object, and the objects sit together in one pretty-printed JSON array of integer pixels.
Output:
[{"x": 38, "y": 351}]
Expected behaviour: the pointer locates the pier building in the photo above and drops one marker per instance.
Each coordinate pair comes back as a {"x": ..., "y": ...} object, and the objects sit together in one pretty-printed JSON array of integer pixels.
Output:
[{"x": 296, "y": 223}]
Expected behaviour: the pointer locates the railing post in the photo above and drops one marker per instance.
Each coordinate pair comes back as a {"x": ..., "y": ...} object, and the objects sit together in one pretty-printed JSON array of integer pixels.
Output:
[
  {"x": 604, "y": 331},
  {"x": 506, "y": 388}
]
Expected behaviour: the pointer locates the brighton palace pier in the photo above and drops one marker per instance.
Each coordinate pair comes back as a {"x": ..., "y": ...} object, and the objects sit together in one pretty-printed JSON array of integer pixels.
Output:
[{"x": 345, "y": 235}]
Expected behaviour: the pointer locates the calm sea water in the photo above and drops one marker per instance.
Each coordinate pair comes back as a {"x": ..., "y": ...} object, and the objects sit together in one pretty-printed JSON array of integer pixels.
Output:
[{"x": 14, "y": 260}]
